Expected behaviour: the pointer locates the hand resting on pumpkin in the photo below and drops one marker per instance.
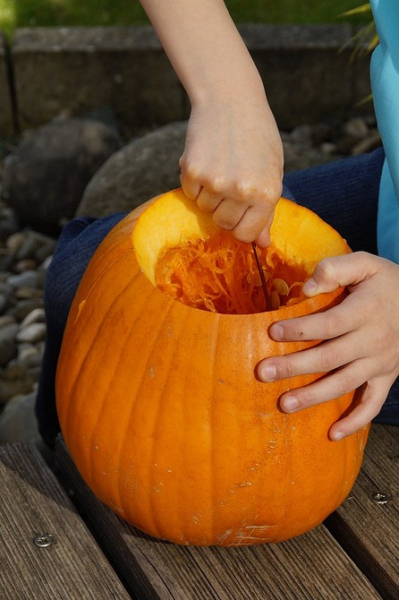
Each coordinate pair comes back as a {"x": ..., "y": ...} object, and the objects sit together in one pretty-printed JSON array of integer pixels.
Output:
[{"x": 361, "y": 340}]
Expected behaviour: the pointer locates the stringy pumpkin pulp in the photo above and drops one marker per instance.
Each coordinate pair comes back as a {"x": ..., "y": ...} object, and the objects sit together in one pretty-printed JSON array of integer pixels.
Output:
[{"x": 220, "y": 274}]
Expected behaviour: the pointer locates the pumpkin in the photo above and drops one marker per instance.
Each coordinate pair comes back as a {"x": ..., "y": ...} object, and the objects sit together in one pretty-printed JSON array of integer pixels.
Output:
[{"x": 159, "y": 404}]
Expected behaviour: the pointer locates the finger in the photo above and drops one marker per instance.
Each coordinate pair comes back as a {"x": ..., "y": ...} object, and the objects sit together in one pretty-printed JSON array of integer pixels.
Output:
[
  {"x": 323, "y": 358},
  {"x": 228, "y": 213},
  {"x": 340, "y": 271},
  {"x": 335, "y": 384},
  {"x": 190, "y": 186},
  {"x": 336, "y": 321},
  {"x": 263, "y": 239},
  {"x": 370, "y": 401},
  {"x": 253, "y": 222},
  {"x": 207, "y": 201}
]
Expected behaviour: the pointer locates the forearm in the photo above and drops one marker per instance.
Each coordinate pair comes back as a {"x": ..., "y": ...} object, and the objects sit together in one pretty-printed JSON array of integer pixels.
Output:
[
  {"x": 233, "y": 158},
  {"x": 204, "y": 48}
]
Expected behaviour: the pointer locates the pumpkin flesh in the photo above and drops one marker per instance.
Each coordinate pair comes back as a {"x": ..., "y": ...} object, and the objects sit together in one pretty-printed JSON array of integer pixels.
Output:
[{"x": 160, "y": 408}]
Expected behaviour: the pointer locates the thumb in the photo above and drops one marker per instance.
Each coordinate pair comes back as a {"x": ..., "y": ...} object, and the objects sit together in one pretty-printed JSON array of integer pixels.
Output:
[{"x": 339, "y": 271}]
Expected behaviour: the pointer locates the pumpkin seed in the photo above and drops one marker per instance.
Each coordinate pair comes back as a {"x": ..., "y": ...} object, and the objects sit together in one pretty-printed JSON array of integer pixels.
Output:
[
  {"x": 254, "y": 279},
  {"x": 275, "y": 300},
  {"x": 281, "y": 286}
]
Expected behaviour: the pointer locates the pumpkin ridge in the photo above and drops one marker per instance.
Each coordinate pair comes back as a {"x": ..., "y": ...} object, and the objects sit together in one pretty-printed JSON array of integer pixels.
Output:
[
  {"x": 69, "y": 409},
  {"x": 118, "y": 489},
  {"x": 88, "y": 399},
  {"x": 97, "y": 282},
  {"x": 186, "y": 410},
  {"x": 136, "y": 400}
]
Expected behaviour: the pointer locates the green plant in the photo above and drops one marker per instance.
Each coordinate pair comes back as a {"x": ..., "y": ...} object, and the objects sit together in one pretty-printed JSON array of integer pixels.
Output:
[{"x": 366, "y": 38}]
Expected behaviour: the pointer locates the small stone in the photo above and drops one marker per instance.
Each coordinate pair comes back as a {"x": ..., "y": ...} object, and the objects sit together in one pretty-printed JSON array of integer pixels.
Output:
[
  {"x": 6, "y": 259},
  {"x": 24, "y": 307},
  {"x": 4, "y": 303},
  {"x": 25, "y": 351},
  {"x": 18, "y": 421},
  {"x": 372, "y": 142},
  {"x": 26, "y": 264},
  {"x": 35, "y": 316},
  {"x": 45, "y": 250},
  {"x": 7, "y": 298},
  {"x": 328, "y": 148},
  {"x": 13, "y": 372},
  {"x": 45, "y": 264},
  {"x": 29, "y": 246},
  {"x": 6, "y": 320},
  {"x": 35, "y": 332},
  {"x": 302, "y": 134},
  {"x": 8, "y": 343},
  {"x": 356, "y": 128},
  {"x": 4, "y": 275},
  {"x": 28, "y": 293},
  {"x": 8, "y": 222},
  {"x": 15, "y": 241},
  {"x": 9, "y": 389},
  {"x": 30, "y": 356},
  {"x": 29, "y": 279}
]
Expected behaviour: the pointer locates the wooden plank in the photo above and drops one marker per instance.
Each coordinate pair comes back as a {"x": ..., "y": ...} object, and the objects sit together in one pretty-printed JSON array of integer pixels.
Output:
[
  {"x": 312, "y": 566},
  {"x": 366, "y": 528},
  {"x": 33, "y": 503}
]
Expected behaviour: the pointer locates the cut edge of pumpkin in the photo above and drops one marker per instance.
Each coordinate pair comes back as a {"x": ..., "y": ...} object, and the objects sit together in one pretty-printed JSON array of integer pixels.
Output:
[{"x": 298, "y": 236}]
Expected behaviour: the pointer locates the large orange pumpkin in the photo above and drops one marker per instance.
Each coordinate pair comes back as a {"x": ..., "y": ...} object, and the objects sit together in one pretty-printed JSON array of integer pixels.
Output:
[{"x": 160, "y": 407}]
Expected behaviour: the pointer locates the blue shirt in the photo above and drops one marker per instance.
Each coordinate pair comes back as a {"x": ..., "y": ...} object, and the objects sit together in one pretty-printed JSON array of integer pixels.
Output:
[{"x": 385, "y": 87}]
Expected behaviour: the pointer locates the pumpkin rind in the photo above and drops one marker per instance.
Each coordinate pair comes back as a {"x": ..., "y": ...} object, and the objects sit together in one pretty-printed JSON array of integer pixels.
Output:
[{"x": 166, "y": 422}]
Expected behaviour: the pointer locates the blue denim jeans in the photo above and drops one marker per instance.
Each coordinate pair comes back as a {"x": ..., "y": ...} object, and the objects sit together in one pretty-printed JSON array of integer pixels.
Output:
[{"x": 344, "y": 193}]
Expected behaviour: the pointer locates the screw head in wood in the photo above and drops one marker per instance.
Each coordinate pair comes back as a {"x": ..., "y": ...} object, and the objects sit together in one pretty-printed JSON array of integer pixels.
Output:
[
  {"x": 43, "y": 540},
  {"x": 380, "y": 497}
]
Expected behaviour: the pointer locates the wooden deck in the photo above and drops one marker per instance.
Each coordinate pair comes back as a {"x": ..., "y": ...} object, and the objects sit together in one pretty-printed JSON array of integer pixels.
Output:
[{"x": 58, "y": 542}]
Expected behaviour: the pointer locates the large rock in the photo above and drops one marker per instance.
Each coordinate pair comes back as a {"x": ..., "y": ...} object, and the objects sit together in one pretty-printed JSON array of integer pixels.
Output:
[
  {"x": 44, "y": 179},
  {"x": 142, "y": 169}
]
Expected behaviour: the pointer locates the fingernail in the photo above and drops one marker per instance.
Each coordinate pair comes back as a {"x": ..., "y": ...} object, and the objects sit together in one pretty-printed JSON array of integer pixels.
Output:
[
  {"x": 339, "y": 435},
  {"x": 290, "y": 403},
  {"x": 268, "y": 373},
  {"x": 310, "y": 287}
]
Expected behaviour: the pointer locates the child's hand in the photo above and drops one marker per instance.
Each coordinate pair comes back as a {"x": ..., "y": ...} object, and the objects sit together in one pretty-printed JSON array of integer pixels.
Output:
[
  {"x": 233, "y": 165},
  {"x": 362, "y": 340}
]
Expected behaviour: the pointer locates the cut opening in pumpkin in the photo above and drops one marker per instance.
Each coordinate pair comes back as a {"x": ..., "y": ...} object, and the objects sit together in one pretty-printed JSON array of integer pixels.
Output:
[
  {"x": 220, "y": 274},
  {"x": 184, "y": 254}
]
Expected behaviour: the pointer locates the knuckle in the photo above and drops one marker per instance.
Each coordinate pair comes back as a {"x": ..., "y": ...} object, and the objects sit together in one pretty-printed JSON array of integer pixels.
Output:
[
  {"x": 253, "y": 192},
  {"x": 214, "y": 183},
  {"x": 328, "y": 358},
  {"x": 307, "y": 397},
  {"x": 286, "y": 369},
  {"x": 183, "y": 161},
  {"x": 332, "y": 324},
  {"x": 224, "y": 222},
  {"x": 246, "y": 237},
  {"x": 245, "y": 190},
  {"x": 381, "y": 338},
  {"x": 190, "y": 171},
  {"x": 343, "y": 384},
  {"x": 325, "y": 269}
]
